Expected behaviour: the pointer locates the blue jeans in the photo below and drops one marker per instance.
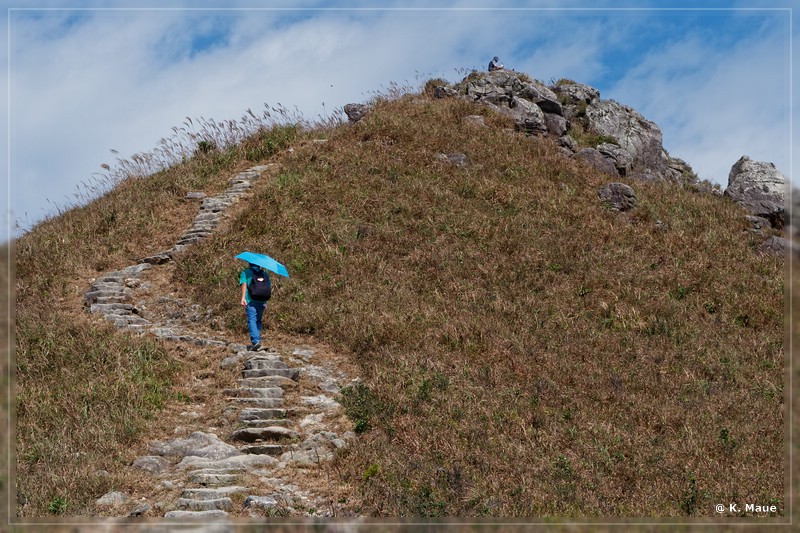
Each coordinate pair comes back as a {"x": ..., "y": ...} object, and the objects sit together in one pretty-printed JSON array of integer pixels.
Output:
[{"x": 255, "y": 311}]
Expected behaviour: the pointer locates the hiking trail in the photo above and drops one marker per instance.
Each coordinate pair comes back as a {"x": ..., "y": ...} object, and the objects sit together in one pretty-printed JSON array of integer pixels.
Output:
[{"x": 257, "y": 430}]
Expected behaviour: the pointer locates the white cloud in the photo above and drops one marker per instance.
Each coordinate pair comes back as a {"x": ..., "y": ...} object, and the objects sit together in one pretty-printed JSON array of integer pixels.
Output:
[
  {"x": 716, "y": 105},
  {"x": 123, "y": 79}
]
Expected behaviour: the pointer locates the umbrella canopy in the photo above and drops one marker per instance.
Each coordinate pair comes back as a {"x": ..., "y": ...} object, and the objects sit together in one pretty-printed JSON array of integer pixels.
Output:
[{"x": 264, "y": 261}]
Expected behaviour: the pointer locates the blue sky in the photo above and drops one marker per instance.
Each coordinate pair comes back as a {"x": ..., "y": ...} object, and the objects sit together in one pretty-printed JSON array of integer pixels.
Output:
[{"x": 103, "y": 76}]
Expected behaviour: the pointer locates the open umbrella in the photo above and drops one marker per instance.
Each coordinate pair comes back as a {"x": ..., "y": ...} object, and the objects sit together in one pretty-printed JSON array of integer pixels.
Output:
[{"x": 264, "y": 261}]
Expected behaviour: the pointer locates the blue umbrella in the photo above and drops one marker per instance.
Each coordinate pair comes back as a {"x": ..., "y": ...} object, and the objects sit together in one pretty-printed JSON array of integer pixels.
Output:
[{"x": 264, "y": 261}]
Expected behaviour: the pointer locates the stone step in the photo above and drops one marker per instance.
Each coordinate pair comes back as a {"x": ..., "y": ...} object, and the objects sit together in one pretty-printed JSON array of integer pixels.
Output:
[
  {"x": 212, "y": 479},
  {"x": 106, "y": 297},
  {"x": 258, "y": 423},
  {"x": 212, "y": 494},
  {"x": 266, "y": 381},
  {"x": 269, "y": 433},
  {"x": 291, "y": 373},
  {"x": 205, "y": 342},
  {"x": 195, "y": 234},
  {"x": 257, "y": 363},
  {"x": 274, "y": 450},
  {"x": 111, "y": 277},
  {"x": 201, "y": 227},
  {"x": 157, "y": 259},
  {"x": 261, "y": 414},
  {"x": 264, "y": 403},
  {"x": 215, "y": 207},
  {"x": 196, "y": 514},
  {"x": 124, "y": 320},
  {"x": 243, "y": 392},
  {"x": 109, "y": 299},
  {"x": 131, "y": 271},
  {"x": 108, "y": 286},
  {"x": 211, "y": 219},
  {"x": 242, "y": 462},
  {"x": 108, "y": 291},
  {"x": 116, "y": 308},
  {"x": 189, "y": 240},
  {"x": 220, "y": 504}
]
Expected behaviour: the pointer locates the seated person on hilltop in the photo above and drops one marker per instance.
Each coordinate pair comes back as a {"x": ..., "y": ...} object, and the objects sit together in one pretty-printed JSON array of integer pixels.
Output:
[{"x": 495, "y": 64}]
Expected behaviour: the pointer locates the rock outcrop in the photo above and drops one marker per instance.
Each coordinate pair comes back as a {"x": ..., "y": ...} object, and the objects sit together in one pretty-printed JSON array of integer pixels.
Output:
[
  {"x": 527, "y": 101},
  {"x": 575, "y": 113},
  {"x": 760, "y": 188},
  {"x": 638, "y": 139}
]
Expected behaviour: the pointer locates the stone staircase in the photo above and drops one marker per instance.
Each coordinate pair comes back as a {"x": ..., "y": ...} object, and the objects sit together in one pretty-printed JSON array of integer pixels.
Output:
[
  {"x": 261, "y": 466},
  {"x": 269, "y": 445}
]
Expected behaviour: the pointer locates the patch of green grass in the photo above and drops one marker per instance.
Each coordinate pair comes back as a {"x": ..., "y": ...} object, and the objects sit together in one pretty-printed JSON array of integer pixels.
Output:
[
  {"x": 361, "y": 406},
  {"x": 57, "y": 506}
]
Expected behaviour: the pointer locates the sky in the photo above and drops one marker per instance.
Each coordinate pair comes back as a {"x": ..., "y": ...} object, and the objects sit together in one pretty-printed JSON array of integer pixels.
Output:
[{"x": 92, "y": 83}]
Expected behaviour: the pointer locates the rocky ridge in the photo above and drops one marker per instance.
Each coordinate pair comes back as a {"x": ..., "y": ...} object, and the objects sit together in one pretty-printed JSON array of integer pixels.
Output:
[
  {"x": 283, "y": 408},
  {"x": 619, "y": 141},
  {"x": 615, "y": 139}
]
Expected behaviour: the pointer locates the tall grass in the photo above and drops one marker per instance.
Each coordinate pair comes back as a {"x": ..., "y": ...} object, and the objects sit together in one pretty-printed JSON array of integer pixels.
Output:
[
  {"x": 526, "y": 352},
  {"x": 222, "y": 142},
  {"x": 6, "y": 276}
]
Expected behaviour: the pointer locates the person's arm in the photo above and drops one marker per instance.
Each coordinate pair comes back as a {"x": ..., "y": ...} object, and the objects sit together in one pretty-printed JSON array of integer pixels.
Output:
[{"x": 244, "y": 291}]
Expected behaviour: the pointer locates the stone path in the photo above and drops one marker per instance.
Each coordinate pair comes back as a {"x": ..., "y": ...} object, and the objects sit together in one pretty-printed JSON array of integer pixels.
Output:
[{"x": 283, "y": 407}]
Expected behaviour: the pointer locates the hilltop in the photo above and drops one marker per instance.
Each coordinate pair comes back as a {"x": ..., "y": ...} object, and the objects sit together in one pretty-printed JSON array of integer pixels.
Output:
[{"x": 525, "y": 345}]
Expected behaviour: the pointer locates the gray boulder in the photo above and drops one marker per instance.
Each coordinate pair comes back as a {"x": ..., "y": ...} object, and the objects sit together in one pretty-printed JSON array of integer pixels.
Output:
[
  {"x": 641, "y": 138},
  {"x": 597, "y": 160},
  {"x": 503, "y": 87},
  {"x": 575, "y": 93},
  {"x": 457, "y": 159},
  {"x": 568, "y": 142},
  {"x": 528, "y": 116},
  {"x": 443, "y": 91},
  {"x": 620, "y": 157},
  {"x": 774, "y": 245},
  {"x": 617, "y": 196},
  {"x": 681, "y": 173},
  {"x": 556, "y": 124},
  {"x": 475, "y": 120},
  {"x": 112, "y": 498},
  {"x": 356, "y": 112},
  {"x": 152, "y": 463},
  {"x": 760, "y": 188},
  {"x": 647, "y": 175}
]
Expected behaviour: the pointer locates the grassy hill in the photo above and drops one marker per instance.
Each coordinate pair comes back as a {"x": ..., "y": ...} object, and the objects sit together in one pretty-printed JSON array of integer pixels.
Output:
[{"x": 524, "y": 351}]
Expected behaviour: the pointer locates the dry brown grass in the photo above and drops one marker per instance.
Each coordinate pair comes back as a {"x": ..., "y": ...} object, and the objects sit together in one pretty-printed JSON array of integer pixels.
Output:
[
  {"x": 526, "y": 352},
  {"x": 6, "y": 276}
]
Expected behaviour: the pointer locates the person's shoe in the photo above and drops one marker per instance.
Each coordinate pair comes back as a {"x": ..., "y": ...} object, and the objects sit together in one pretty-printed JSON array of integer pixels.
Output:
[{"x": 256, "y": 347}]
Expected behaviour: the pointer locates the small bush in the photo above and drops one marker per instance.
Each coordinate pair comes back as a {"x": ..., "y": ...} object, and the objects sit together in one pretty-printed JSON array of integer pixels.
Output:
[{"x": 360, "y": 405}]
